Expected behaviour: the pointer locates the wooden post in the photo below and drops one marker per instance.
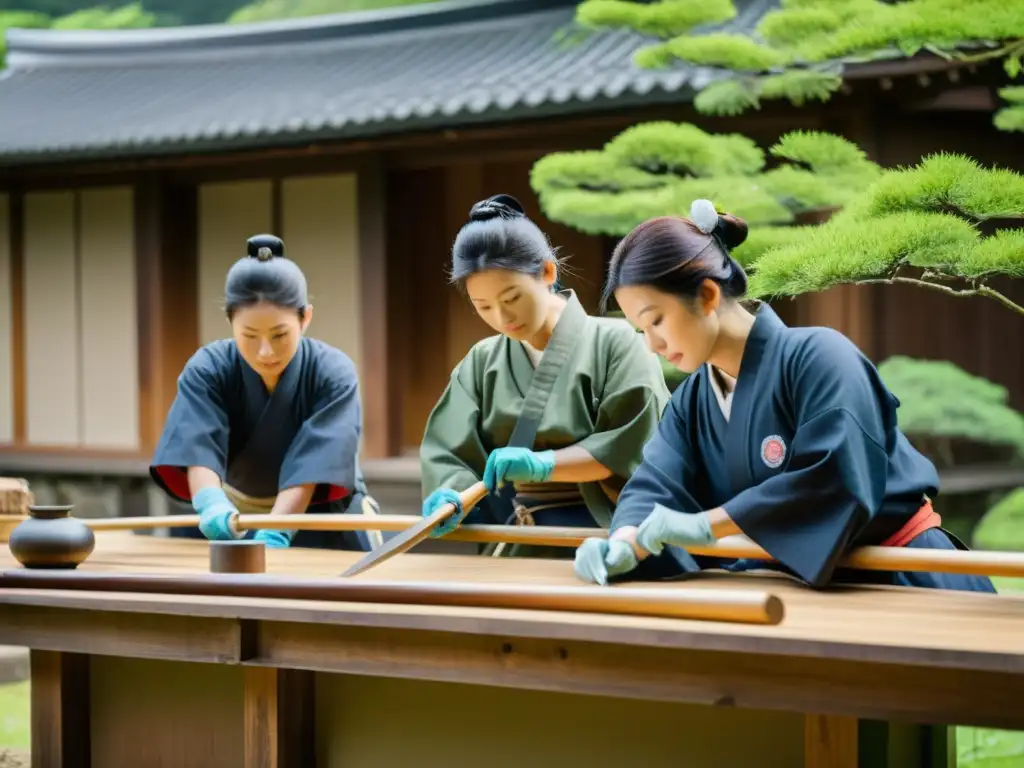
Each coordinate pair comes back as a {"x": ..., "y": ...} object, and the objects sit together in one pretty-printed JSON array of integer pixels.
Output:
[
  {"x": 279, "y": 718},
  {"x": 165, "y": 257},
  {"x": 830, "y": 741},
  {"x": 16, "y": 227},
  {"x": 381, "y": 393},
  {"x": 60, "y": 710}
]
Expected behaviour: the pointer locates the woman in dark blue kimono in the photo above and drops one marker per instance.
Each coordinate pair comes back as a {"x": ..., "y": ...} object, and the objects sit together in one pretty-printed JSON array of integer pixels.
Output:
[
  {"x": 268, "y": 420},
  {"x": 785, "y": 435}
]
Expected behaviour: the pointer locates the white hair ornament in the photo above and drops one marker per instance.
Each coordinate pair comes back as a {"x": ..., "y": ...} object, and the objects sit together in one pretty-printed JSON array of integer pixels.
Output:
[{"x": 704, "y": 215}]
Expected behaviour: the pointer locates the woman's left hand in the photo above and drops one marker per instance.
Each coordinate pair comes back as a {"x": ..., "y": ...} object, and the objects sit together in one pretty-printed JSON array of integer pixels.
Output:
[
  {"x": 666, "y": 526},
  {"x": 517, "y": 465},
  {"x": 273, "y": 539}
]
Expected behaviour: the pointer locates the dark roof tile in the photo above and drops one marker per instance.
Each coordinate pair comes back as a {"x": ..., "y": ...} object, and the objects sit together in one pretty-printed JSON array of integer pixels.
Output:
[{"x": 116, "y": 94}]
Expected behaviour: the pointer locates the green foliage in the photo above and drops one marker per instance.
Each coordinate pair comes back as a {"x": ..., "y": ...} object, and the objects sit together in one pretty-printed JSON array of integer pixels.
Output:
[
  {"x": 268, "y": 10},
  {"x": 921, "y": 219},
  {"x": 660, "y": 18},
  {"x": 659, "y": 168},
  {"x": 99, "y": 17},
  {"x": 19, "y": 19},
  {"x": 737, "y": 52},
  {"x": 1002, "y": 527},
  {"x": 798, "y": 51},
  {"x": 1011, "y": 118},
  {"x": 131, "y": 16},
  {"x": 940, "y": 403}
]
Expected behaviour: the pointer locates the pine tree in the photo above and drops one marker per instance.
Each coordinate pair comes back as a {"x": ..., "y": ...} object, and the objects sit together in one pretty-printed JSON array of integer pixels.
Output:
[
  {"x": 798, "y": 52},
  {"x": 659, "y": 168},
  {"x": 919, "y": 226},
  {"x": 944, "y": 409},
  {"x": 1002, "y": 527}
]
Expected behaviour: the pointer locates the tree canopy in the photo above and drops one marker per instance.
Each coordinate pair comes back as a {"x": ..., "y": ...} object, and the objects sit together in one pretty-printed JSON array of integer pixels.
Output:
[
  {"x": 916, "y": 226},
  {"x": 919, "y": 225},
  {"x": 798, "y": 52},
  {"x": 659, "y": 168},
  {"x": 87, "y": 14},
  {"x": 942, "y": 406},
  {"x": 1002, "y": 527},
  {"x": 266, "y": 10}
]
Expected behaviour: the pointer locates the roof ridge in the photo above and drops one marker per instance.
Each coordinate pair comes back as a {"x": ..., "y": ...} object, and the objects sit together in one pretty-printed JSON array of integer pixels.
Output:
[{"x": 33, "y": 47}]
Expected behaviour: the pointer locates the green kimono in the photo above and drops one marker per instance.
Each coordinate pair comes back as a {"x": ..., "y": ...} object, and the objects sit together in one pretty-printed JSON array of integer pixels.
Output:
[{"x": 596, "y": 386}]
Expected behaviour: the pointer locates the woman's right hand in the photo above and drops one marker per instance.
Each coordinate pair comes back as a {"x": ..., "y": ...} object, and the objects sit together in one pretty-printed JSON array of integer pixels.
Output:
[
  {"x": 597, "y": 559},
  {"x": 216, "y": 513},
  {"x": 438, "y": 499}
]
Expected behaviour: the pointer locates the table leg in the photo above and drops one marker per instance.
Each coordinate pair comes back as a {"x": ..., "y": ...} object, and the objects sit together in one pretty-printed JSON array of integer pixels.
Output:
[
  {"x": 60, "y": 710},
  {"x": 830, "y": 741},
  {"x": 279, "y": 718}
]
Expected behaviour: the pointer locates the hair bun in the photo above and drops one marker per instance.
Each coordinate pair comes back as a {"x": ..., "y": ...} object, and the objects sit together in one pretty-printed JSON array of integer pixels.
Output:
[
  {"x": 265, "y": 247},
  {"x": 730, "y": 230},
  {"x": 499, "y": 206}
]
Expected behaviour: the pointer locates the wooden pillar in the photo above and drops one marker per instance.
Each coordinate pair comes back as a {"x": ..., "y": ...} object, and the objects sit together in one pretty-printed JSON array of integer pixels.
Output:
[
  {"x": 418, "y": 247},
  {"x": 382, "y": 346},
  {"x": 60, "y": 710},
  {"x": 464, "y": 186},
  {"x": 16, "y": 225},
  {"x": 166, "y": 268},
  {"x": 279, "y": 718}
]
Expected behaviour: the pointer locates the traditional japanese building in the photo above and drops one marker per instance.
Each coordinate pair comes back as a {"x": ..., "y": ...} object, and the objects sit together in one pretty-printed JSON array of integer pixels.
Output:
[{"x": 134, "y": 164}]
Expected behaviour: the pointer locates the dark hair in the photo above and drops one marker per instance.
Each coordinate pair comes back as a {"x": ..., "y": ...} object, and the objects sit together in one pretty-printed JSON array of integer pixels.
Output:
[
  {"x": 499, "y": 235},
  {"x": 265, "y": 275},
  {"x": 676, "y": 255}
]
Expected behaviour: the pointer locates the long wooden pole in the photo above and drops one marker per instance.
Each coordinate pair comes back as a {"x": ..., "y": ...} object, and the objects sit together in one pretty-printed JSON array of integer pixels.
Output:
[
  {"x": 676, "y": 602},
  {"x": 974, "y": 563}
]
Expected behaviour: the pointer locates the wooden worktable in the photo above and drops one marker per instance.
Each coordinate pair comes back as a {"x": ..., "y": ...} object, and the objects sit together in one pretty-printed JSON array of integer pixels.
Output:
[{"x": 178, "y": 680}]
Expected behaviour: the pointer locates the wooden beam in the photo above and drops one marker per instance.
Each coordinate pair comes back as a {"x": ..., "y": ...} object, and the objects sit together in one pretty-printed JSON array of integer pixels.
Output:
[
  {"x": 829, "y": 686},
  {"x": 60, "y": 710},
  {"x": 978, "y": 98},
  {"x": 381, "y": 390},
  {"x": 411, "y": 148},
  {"x": 17, "y": 253}
]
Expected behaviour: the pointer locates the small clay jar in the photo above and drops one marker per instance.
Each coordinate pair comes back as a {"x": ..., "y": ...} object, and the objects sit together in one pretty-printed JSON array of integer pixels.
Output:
[{"x": 50, "y": 538}]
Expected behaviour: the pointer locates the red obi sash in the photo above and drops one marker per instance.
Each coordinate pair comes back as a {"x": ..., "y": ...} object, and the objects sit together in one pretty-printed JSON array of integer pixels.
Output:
[{"x": 923, "y": 519}]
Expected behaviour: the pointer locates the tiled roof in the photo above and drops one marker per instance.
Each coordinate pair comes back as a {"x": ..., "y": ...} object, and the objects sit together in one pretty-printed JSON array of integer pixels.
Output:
[{"x": 81, "y": 94}]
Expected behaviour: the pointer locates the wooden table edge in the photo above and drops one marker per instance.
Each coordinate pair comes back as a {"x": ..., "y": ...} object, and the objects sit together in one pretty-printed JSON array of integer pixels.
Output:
[{"x": 541, "y": 625}]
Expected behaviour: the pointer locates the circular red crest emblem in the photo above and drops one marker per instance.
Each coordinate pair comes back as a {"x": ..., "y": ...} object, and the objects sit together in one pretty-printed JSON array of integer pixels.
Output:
[{"x": 773, "y": 451}]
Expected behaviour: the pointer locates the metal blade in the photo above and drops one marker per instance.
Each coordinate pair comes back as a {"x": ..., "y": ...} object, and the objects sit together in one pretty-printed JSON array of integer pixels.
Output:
[{"x": 404, "y": 541}]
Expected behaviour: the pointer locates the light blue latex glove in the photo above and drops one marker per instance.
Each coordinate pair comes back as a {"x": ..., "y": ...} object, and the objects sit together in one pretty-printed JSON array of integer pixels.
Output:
[
  {"x": 274, "y": 539},
  {"x": 517, "y": 465},
  {"x": 666, "y": 526},
  {"x": 215, "y": 510},
  {"x": 597, "y": 559},
  {"x": 438, "y": 499}
]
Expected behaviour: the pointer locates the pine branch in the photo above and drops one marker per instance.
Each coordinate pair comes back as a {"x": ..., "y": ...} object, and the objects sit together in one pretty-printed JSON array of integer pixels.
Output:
[
  {"x": 980, "y": 290},
  {"x": 1016, "y": 48}
]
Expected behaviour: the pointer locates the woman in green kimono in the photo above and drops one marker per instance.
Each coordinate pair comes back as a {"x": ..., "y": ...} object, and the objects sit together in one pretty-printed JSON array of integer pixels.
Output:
[{"x": 552, "y": 413}]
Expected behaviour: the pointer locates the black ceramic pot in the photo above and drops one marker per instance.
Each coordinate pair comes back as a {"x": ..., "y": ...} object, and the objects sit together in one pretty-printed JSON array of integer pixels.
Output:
[{"x": 49, "y": 538}]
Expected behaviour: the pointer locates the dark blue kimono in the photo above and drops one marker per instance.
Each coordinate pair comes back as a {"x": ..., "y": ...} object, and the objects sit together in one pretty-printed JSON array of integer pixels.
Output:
[
  {"x": 810, "y": 463},
  {"x": 306, "y": 431}
]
